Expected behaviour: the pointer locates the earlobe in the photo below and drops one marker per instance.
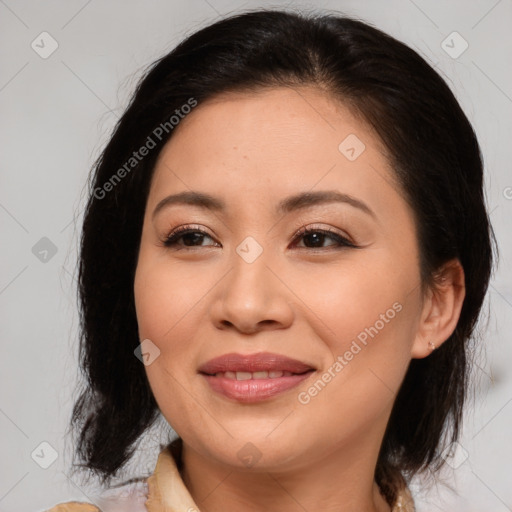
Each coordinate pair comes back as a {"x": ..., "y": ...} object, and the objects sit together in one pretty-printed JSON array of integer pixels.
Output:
[{"x": 441, "y": 309}]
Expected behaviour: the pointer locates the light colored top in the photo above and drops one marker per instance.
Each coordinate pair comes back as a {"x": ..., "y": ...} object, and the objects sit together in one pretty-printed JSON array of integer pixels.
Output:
[{"x": 165, "y": 491}]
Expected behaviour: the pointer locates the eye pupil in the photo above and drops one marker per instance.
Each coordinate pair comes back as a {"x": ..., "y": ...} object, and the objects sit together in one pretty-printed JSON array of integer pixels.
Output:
[
  {"x": 316, "y": 237},
  {"x": 312, "y": 238},
  {"x": 194, "y": 235}
]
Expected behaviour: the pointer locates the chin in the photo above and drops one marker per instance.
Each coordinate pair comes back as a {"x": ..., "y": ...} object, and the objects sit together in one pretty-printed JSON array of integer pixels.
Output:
[{"x": 254, "y": 452}]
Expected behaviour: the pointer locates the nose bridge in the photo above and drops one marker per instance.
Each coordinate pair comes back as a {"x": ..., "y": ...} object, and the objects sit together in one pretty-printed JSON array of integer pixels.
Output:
[
  {"x": 252, "y": 296},
  {"x": 250, "y": 275}
]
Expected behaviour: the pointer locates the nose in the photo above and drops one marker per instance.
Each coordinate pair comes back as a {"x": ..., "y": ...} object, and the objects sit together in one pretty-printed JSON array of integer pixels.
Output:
[{"x": 252, "y": 297}]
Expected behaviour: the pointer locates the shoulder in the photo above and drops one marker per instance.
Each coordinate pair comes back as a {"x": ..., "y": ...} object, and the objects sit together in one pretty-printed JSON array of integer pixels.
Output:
[
  {"x": 126, "y": 498},
  {"x": 74, "y": 506},
  {"x": 404, "y": 501}
]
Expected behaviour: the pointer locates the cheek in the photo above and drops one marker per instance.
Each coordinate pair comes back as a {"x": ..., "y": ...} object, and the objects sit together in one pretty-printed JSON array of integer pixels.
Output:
[
  {"x": 350, "y": 296},
  {"x": 167, "y": 304},
  {"x": 164, "y": 297},
  {"x": 161, "y": 309},
  {"x": 366, "y": 317}
]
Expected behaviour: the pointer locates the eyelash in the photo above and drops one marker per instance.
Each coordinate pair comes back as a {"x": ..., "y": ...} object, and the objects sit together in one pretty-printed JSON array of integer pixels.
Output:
[{"x": 174, "y": 236}]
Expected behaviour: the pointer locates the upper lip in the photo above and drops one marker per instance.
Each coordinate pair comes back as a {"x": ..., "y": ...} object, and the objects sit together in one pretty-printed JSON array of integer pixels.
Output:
[{"x": 262, "y": 361}]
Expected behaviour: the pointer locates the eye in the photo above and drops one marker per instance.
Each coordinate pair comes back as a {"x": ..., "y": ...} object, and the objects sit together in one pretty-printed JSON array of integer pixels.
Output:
[
  {"x": 317, "y": 236},
  {"x": 188, "y": 234},
  {"x": 193, "y": 237}
]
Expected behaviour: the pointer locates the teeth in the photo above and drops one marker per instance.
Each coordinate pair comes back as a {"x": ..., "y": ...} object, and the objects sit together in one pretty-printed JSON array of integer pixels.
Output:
[{"x": 253, "y": 375}]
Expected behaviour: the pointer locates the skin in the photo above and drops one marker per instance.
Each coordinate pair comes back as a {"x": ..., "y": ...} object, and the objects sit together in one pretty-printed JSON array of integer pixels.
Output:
[{"x": 302, "y": 300}]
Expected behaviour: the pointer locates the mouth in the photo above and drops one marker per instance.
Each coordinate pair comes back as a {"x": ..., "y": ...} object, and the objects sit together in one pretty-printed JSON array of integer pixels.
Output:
[
  {"x": 241, "y": 375},
  {"x": 254, "y": 377},
  {"x": 254, "y": 364}
]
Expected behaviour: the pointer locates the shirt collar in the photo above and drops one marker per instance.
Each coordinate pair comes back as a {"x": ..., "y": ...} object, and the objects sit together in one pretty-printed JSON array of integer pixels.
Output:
[{"x": 167, "y": 491}]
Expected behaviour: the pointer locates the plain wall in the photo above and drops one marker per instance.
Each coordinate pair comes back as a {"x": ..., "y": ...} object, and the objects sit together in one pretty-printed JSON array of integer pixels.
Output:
[{"x": 56, "y": 115}]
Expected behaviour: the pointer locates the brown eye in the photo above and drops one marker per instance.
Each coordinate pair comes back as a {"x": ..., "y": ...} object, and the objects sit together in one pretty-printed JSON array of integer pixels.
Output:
[
  {"x": 316, "y": 237},
  {"x": 192, "y": 237}
]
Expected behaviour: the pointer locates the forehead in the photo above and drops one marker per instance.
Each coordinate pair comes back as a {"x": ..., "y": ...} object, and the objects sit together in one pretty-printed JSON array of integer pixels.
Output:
[
  {"x": 271, "y": 141},
  {"x": 290, "y": 116}
]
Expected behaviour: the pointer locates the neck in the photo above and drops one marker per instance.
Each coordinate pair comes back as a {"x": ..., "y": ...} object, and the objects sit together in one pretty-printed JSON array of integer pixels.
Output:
[{"x": 340, "y": 481}]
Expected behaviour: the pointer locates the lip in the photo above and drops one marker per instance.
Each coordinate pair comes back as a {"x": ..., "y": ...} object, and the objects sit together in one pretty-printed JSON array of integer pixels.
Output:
[
  {"x": 262, "y": 361},
  {"x": 254, "y": 390}
]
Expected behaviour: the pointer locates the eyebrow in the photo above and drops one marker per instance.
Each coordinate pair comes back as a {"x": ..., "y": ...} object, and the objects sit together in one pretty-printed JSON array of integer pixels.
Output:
[{"x": 296, "y": 202}]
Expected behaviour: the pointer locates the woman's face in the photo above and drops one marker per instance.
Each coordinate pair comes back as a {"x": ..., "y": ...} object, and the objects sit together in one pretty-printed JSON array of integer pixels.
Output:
[{"x": 243, "y": 282}]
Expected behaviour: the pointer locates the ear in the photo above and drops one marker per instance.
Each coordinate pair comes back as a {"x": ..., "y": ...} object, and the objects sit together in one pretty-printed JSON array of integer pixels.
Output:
[{"x": 441, "y": 309}]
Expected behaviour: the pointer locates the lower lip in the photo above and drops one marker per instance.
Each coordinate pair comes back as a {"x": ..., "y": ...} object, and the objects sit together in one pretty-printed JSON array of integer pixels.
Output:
[{"x": 254, "y": 390}]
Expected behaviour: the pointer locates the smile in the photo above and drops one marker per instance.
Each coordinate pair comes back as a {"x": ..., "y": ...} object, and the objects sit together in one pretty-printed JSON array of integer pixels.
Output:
[{"x": 254, "y": 377}]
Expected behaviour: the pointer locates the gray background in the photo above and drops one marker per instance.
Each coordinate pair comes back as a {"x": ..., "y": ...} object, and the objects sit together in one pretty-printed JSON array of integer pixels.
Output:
[{"x": 57, "y": 113}]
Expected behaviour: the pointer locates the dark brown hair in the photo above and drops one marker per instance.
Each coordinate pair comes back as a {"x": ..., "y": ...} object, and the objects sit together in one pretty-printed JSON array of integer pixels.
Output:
[{"x": 437, "y": 160}]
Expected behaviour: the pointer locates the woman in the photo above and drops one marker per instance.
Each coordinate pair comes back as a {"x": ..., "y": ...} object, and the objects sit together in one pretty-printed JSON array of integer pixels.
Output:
[{"x": 285, "y": 251}]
